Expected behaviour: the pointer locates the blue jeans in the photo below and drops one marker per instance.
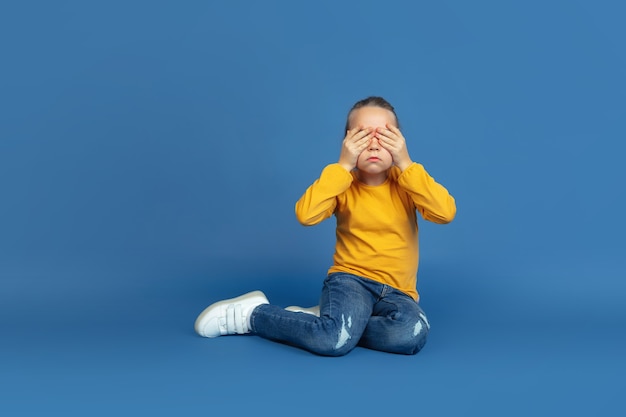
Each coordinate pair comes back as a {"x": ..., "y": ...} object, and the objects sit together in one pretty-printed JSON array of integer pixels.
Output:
[{"x": 354, "y": 311}]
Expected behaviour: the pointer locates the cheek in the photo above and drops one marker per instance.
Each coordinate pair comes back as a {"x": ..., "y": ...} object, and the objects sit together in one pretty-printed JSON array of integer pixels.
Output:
[{"x": 362, "y": 159}]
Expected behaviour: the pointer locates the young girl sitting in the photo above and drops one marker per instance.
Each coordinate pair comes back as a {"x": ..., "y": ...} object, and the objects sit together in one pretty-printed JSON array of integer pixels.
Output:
[{"x": 369, "y": 297}]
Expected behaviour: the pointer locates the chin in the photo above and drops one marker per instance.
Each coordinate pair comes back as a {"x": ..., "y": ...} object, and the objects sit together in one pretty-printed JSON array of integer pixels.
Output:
[{"x": 375, "y": 171}]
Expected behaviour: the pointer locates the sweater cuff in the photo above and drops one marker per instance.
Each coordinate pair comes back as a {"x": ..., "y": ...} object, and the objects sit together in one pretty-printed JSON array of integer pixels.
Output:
[
  {"x": 334, "y": 179},
  {"x": 338, "y": 172},
  {"x": 413, "y": 169}
]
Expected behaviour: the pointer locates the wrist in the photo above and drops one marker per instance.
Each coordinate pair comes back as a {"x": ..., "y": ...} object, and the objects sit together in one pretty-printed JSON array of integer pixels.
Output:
[
  {"x": 347, "y": 163},
  {"x": 404, "y": 164},
  {"x": 347, "y": 167}
]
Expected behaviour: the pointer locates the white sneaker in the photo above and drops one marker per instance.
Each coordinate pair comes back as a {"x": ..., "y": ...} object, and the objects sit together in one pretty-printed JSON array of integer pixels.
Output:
[
  {"x": 315, "y": 310},
  {"x": 229, "y": 316}
]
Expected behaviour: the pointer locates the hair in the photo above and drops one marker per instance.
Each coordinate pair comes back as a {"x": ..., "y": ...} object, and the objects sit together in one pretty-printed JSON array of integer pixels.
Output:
[{"x": 373, "y": 101}]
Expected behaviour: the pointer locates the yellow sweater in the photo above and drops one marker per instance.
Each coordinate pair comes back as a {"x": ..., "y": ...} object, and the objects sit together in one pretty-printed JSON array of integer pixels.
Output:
[{"x": 377, "y": 225}]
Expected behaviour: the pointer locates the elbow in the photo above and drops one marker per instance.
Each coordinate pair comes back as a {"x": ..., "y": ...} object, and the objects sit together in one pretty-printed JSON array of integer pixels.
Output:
[
  {"x": 306, "y": 219},
  {"x": 450, "y": 212},
  {"x": 449, "y": 215},
  {"x": 309, "y": 221},
  {"x": 308, "y": 215},
  {"x": 446, "y": 214},
  {"x": 301, "y": 214}
]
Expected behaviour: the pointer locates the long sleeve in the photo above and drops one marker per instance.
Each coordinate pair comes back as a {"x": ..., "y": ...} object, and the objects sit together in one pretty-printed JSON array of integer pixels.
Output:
[
  {"x": 320, "y": 199},
  {"x": 431, "y": 199}
]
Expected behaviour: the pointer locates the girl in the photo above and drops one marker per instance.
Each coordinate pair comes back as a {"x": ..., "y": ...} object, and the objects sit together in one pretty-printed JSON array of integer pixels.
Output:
[{"x": 369, "y": 297}]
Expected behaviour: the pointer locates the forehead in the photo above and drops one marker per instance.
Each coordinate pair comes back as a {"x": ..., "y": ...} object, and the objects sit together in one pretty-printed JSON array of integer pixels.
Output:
[{"x": 371, "y": 116}]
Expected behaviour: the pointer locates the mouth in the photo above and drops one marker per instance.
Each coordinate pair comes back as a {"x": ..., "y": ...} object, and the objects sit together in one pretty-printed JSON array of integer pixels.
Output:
[{"x": 373, "y": 159}]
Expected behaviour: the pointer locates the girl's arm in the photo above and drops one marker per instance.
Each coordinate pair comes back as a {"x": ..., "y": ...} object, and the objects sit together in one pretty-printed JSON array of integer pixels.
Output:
[
  {"x": 320, "y": 199},
  {"x": 430, "y": 198}
]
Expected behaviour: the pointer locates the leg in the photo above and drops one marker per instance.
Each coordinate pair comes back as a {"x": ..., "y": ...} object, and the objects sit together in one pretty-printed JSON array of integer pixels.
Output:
[
  {"x": 397, "y": 325},
  {"x": 345, "y": 308}
]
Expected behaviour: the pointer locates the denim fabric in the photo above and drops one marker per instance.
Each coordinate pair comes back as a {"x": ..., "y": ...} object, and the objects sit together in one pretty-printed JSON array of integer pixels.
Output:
[{"x": 354, "y": 311}]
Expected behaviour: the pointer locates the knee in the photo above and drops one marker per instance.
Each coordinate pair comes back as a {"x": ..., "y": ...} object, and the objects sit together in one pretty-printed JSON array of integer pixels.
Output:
[
  {"x": 327, "y": 349},
  {"x": 416, "y": 344},
  {"x": 331, "y": 351},
  {"x": 330, "y": 346},
  {"x": 411, "y": 342},
  {"x": 335, "y": 340},
  {"x": 416, "y": 339}
]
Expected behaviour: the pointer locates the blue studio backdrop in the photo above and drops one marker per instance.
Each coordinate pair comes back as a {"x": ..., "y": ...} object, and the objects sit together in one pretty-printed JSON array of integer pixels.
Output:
[{"x": 151, "y": 154}]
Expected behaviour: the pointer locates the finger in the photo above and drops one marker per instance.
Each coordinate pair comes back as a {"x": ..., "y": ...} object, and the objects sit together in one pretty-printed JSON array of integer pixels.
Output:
[
  {"x": 394, "y": 129},
  {"x": 383, "y": 134},
  {"x": 389, "y": 133},
  {"x": 365, "y": 131},
  {"x": 388, "y": 141},
  {"x": 362, "y": 135},
  {"x": 391, "y": 147},
  {"x": 350, "y": 133},
  {"x": 365, "y": 140},
  {"x": 354, "y": 131}
]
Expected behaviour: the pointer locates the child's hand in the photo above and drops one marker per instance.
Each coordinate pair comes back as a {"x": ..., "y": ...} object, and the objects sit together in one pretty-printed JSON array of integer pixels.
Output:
[
  {"x": 392, "y": 140},
  {"x": 354, "y": 143}
]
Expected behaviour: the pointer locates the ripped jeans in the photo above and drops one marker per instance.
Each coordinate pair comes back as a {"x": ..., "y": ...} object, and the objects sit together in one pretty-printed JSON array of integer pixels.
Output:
[{"x": 354, "y": 311}]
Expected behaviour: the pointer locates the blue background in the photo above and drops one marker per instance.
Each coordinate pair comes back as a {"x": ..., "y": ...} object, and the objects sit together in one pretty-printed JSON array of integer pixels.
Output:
[{"x": 151, "y": 154}]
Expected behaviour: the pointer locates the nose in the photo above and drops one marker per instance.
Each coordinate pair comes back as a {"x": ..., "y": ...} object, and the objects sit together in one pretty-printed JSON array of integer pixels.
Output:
[{"x": 374, "y": 144}]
